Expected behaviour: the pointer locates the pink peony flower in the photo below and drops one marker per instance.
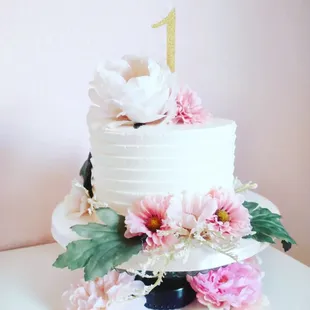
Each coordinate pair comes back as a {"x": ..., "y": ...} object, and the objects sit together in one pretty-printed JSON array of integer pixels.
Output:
[
  {"x": 76, "y": 202},
  {"x": 149, "y": 216},
  {"x": 231, "y": 217},
  {"x": 189, "y": 108},
  {"x": 109, "y": 292},
  {"x": 192, "y": 211},
  {"x": 237, "y": 285}
]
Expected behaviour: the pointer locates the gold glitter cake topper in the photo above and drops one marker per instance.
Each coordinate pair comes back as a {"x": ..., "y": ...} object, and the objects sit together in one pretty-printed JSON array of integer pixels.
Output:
[{"x": 169, "y": 20}]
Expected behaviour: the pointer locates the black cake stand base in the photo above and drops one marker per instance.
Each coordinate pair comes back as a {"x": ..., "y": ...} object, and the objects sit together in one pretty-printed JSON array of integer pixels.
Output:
[{"x": 173, "y": 293}]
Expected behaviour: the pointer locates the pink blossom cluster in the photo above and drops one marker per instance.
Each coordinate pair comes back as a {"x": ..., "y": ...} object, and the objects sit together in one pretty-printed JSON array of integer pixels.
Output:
[
  {"x": 162, "y": 219},
  {"x": 236, "y": 286},
  {"x": 189, "y": 108},
  {"x": 149, "y": 217},
  {"x": 107, "y": 293}
]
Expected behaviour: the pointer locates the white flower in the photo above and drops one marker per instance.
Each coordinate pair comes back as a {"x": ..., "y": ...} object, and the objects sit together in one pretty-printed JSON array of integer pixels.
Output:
[
  {"x": 190, "y": 211},
  {"x": 136, "y": 89},
  {"x": 76, "y": 202},
  {"x": 112, "y": 292}
]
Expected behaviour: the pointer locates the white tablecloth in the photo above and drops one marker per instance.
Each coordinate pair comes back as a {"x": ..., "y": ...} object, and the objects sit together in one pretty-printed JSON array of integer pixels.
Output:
[{"x": 29, "y": 282}]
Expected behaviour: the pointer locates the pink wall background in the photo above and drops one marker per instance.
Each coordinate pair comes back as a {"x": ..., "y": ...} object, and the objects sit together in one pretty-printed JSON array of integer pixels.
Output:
[{"x": 249, "y": 60}]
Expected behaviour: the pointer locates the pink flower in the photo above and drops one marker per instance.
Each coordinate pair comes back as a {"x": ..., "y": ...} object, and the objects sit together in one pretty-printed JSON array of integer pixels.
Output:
[
  {"x": 104, "y": 293},
  {"x": 231, "y": 217},
  {"x": 189, "y": 108},
  {"x": 192, "y": 211},
  {"x": 149, "y": 216},
  {"x": 234, "y": 286}
]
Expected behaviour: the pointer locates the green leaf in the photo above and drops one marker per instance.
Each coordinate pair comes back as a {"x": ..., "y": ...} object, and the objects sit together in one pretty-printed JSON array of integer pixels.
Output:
[
  {"x": 85, "y": 170},
  {"x": 108, "y": 258},
  {"x": 77, "y": 254},
  {"x": 106, "y": 249},
  {"x": 61, "y": 261},
  {"x": 91, "y": 230},
  {"x": 286, "y": 245},
  {"x": 251, "y": 206},
  {"x": 74, "y": 250},
  {"x": 110, "y": 218},
  {"x": 86, "y": 174},
  {"x": 260, "y": 236},
  {"x": 267, "y": 226}
]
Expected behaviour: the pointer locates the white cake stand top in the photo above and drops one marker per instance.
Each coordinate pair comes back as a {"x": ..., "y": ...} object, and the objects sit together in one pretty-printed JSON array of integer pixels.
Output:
[{"x": 201, "y": 258}]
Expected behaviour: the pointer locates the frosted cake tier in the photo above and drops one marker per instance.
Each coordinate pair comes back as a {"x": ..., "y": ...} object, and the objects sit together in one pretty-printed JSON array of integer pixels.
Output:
[
  {"x": 129, "y": 163},
  {"x": 200, "y": 258}
]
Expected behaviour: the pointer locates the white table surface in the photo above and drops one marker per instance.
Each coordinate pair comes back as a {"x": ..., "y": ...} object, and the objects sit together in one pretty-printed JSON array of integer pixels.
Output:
[{"x": 29, "y": 282}]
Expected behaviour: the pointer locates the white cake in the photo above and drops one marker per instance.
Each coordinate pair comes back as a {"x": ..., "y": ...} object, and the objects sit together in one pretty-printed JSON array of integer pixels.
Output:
[
  {"x": 131, "y": 163},
  {"x": 157, "y": 192}
]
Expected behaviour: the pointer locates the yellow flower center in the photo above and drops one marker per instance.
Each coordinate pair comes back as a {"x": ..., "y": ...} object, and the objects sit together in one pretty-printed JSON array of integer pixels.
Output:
[
  {"x": 223, "y": 216},
  {"x": 153, "y": 223}
]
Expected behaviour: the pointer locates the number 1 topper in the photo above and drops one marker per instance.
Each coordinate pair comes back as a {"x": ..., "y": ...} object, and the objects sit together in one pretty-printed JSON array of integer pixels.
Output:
[{"x": 169, "y": 20}]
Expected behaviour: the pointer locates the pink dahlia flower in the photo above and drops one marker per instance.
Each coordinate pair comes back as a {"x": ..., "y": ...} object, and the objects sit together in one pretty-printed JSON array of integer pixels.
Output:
[
  {"x": 189, "y": 108},
  {"x": 234, "y": 286},
  {"x": 149, "y": 216},
  {"x": 107, "y": 293},
  {"x": 231, "y": 217},
  {"x": 192, "y": 211}
]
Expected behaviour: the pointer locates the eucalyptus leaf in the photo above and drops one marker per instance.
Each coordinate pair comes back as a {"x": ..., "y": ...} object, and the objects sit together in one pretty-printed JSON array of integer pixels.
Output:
[{"x": 267, "y": 226}]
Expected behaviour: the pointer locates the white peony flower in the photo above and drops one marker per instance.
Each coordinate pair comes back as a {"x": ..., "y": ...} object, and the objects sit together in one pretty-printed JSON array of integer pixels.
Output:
[{"x": 134, "y": 89}]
